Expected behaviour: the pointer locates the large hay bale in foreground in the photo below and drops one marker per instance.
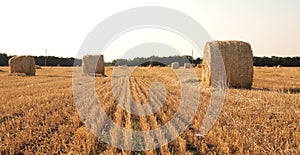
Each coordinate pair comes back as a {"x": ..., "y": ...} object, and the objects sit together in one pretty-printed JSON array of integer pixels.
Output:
[
  {"x": 187, "y": 65},
  {"x": 238, "y": 60},
  {"x": 93, "y": 64},
  {"x": 175, "y": 65},
  {"x": 22, "y": 64}
]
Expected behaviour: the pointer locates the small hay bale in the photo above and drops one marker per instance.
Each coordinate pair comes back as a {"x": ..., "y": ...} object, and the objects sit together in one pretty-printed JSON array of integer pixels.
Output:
[
  {"x": 93, "y": 64},
  {"x": 38, "y": 67},
  {"x": 22, "y": 64},
  {"x": 175, "y": 65},
  {"x": 279, "y": 66},
  {"x": 238, "y": 60},
  {"x": 187, "y": 65}
]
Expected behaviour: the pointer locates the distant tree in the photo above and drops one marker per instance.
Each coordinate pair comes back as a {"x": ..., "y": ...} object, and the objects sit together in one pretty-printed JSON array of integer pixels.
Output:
[{"x": 3, "y": 59}]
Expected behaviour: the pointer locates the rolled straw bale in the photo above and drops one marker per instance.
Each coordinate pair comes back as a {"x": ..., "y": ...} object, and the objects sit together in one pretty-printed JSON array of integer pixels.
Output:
[
  {"x": 22, "y": 64},
  {"x": 175, "y": 65},
  {"x": 93, "y": 64},
  {"x": 187, "y": 65},
  {"x": 238, "y": 60},
  {"x": 38, "y": 67}
]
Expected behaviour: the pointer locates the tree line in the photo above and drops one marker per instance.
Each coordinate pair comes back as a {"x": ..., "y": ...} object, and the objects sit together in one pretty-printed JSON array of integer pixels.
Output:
[
  {"x": 276, "y": 61},
  {"x": 163, "y": 61},
  {"x": 44, "y": 61},
  {"x": 153, "y": 60}
]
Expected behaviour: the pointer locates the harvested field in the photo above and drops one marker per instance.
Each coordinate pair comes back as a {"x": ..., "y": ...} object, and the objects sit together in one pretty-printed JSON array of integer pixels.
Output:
[{"x": 38, "y": 114}]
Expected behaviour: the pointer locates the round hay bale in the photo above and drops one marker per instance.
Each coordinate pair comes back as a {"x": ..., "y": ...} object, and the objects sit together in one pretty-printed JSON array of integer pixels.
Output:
[
  {"x": 38, "y": 67},
  {"x": 22, "y": 64},
  {"x": 187, "y": 65},
  {"x": 93, "y": 64},
  {"x": 175, "y": 65},
  {"x": 238, "y": 60}
]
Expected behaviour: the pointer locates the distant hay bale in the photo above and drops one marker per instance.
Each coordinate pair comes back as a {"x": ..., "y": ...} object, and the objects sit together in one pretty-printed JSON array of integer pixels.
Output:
[
  {"x": 93, "y": 64},
  {"x": 175, "y": 65},
  {"x": 279, "y": 66},
  {"x": 38, "y": 67},
  {"x": 22, "y": 64},
  {"x": 238, "y": 60},
  {"x": 187, "y": 65}
]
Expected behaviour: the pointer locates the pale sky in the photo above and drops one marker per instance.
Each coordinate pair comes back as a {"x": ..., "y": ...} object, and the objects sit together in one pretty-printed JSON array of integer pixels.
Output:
[{"x": 272, "y": 27}]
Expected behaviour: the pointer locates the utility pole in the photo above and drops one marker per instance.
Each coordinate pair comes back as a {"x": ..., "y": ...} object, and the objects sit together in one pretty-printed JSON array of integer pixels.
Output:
[
  {"x": 192, "y": 57},
  {"x": 46, "y": 57}
]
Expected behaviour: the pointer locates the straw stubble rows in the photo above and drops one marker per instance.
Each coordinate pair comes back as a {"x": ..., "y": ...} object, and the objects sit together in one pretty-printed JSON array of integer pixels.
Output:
[{"x": 38, "y": 114}]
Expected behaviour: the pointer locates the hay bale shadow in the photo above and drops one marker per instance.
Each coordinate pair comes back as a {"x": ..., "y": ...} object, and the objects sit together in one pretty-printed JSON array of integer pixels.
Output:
[
  {"x": 261, "y": 89},
  {"x": 290, "y": 90},
  {"x": 283, "y": 90},
  {"x": 95, "y": 75},
  {"x": 57, "y": 76},
  {"x": 18, "y": 74}
]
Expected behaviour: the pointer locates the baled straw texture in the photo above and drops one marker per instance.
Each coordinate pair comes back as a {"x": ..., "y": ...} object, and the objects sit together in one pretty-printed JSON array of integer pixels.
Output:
[
  {"x": 238, "y": 60},
  {"x": 93, "y": 64},
  {"x": 175, "y": 65},
  {"x": 22, "y": 64}
]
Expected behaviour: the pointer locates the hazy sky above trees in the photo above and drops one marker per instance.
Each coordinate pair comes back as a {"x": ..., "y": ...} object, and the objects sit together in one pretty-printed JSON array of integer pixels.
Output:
[{"x": 29, "y": 27}]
